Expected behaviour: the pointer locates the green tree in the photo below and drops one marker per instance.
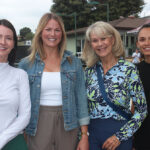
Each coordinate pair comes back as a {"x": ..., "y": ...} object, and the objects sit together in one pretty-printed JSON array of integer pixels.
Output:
[
  {"x": 23, "y": 32},
  {"x": 89, "y": 11},
  {"x": 29, "y": 36}
]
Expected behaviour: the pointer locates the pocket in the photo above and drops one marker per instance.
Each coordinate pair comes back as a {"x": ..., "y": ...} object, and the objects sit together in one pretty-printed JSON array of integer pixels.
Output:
[{"x": 71, "y": 75}]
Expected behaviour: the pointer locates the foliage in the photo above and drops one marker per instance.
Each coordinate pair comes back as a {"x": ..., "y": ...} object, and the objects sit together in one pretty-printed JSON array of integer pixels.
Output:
[
  {"x": 90, "y": 11},
  {"x": 26, "y": 34},
  {"x": 29, "y": 36}
]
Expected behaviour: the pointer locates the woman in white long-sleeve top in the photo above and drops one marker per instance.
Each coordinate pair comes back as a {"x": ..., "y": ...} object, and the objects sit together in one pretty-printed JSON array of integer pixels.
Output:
[{"x": 14, "y": 92}]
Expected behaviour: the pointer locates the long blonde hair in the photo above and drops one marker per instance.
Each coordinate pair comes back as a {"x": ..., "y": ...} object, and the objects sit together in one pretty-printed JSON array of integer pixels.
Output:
[
  {"x": 37, "y": 44},
  {"x": 101, "y": 28}
]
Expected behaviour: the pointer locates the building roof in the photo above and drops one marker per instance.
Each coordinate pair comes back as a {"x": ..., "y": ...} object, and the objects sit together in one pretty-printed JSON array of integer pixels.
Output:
[
  {"x": 128, "y": 23},
  {"x": 80, "y": 30}
]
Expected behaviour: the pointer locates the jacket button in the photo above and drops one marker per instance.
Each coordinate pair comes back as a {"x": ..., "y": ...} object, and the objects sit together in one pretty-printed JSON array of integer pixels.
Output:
[{"x": 38, "y": 85}]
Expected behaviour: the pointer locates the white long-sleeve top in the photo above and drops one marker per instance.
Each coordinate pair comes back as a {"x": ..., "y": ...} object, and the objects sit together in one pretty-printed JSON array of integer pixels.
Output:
[{"x": 15, "y": 106}]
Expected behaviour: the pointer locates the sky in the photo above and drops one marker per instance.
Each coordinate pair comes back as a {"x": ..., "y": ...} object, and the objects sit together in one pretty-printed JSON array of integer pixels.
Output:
[
  {"x": 24, "y": 13},
  {"x": 27, "y": 13}
]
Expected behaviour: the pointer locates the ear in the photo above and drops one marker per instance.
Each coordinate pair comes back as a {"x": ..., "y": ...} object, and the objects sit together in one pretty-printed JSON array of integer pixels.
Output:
[{"x": 113, "y": 40}]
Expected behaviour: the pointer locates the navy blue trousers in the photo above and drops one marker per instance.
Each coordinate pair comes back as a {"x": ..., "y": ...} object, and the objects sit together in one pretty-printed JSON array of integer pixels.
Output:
[{"x": 101, "y": 129}]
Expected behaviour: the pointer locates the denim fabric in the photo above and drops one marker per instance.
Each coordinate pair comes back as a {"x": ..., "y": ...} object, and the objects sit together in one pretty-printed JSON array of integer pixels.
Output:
[{"x": 75, "y": 109}]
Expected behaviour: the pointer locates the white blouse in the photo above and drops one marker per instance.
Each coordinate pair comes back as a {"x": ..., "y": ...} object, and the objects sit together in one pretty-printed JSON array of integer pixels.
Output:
[{"x": 15, "y": 103}]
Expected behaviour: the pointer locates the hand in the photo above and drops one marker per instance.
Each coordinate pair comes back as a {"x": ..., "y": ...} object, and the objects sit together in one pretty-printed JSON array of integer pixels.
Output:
[
  {"x": 111, "y": 143},
  {"x": 25, "y": 136},
  {"x": 83, "y": 143}
]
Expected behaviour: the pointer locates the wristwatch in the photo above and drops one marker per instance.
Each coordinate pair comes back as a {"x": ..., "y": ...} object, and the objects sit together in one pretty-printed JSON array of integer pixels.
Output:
[{"x": 85, "y": 133}]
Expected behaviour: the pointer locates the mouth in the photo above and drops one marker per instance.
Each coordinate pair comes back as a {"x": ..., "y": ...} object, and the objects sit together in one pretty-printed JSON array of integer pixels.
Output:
[
  {"x": 52, "y": 39},
  {"x": 3, "y": 48},
  {"x": 101, "y": 48},
  {"x": 146, "y": 49}
]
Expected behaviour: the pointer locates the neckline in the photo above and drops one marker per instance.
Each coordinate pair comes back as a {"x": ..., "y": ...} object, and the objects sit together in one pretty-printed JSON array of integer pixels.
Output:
[
  {"x": 50, "y": 72},
  {"x": 3, "y": 65}
]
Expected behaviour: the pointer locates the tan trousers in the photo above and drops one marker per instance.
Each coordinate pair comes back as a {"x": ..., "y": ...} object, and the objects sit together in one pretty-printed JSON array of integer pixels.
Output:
[{"x": 50, "y": 133}]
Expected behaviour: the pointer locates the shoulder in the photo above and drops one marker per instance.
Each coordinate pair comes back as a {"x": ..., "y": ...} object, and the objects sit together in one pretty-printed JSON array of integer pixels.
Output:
[
  {"x": 141, "y": 65},
  {"x": 127, "y": 67},
  {"x": 68, "y": 53},
  {"x": 24, "y": 63},
  {"x": 126, "y": 63},
  {"x": 89, "y": 70},
  {"x": 70, "y": 56},
  {"x": 19, "y": 73}
]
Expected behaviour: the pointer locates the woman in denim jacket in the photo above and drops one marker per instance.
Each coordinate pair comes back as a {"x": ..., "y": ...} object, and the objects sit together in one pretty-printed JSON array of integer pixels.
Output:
[{"x": 58, "y": 95}]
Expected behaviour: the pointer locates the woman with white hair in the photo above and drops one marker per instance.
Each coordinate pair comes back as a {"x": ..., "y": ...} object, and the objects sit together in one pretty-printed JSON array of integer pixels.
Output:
[{"x": 111, "y": 82}]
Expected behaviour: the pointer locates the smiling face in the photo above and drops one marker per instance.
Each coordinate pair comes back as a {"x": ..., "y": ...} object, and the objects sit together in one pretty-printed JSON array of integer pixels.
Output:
[
  {"x": 6, "y": 43},
  {"x": 102, "y": 45},
  {"x": 52, "y": 34},
  {"x": 143, "y": 42}
]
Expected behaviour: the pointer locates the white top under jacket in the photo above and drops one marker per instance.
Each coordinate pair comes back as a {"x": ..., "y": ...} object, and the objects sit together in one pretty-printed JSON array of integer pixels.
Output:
[
  {"x": 15, "y": 105},
  {"x": 51, "y": 92}
]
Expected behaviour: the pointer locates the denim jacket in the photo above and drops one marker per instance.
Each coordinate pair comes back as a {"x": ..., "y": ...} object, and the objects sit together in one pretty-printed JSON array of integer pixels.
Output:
[{"x": 75, "y": 109}]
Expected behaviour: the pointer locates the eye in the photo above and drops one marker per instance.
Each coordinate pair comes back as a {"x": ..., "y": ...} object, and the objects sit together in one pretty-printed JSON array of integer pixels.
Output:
[
  {"x": 48, "y": 29},
  {"x": 104, "y": 38},
  {"x": 142, "y": 39},
  {"x": 94, "y": 40},
  {"x": 9, "y": 38},
  {"x": 57, "y": 30}
]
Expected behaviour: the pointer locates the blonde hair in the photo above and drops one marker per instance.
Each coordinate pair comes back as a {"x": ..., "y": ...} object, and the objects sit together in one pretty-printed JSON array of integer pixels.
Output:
[
  {"x": 37, "y": 44},
  {"x": 101, "y": 29}
]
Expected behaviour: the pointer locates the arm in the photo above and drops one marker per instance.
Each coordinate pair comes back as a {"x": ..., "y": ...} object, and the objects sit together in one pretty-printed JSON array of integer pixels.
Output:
[
  {"x": 82, "y": 108},
  {"x": 23, "y": 116},
  {"x": 81, "y": 96},
  {"x": 136, "y": 92}
]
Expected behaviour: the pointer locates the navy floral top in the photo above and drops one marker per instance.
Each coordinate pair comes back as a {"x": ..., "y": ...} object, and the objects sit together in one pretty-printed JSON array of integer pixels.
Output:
[{"x": 122, "y": 84}]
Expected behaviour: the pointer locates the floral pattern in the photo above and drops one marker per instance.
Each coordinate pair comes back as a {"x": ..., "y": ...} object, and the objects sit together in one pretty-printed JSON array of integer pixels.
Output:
[{"x": 122, "y": 84}]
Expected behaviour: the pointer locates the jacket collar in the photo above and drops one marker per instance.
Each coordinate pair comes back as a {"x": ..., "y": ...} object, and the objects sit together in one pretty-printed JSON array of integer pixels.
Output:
[{"x": 67, "y": 54}]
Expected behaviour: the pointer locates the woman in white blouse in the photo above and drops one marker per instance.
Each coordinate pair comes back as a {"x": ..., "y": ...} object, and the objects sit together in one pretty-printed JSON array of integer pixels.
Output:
[{"x": 14, "y": 92}]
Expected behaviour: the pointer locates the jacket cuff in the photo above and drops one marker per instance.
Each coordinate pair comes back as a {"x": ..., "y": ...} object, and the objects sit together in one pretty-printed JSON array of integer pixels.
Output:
[{"x": 84, "y": 121}]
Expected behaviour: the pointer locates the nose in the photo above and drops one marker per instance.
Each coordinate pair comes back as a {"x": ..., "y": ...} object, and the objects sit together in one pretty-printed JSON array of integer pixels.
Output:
[
  {"x": 100, "y": 42},
  {"x": 2, "y": 40},
  {"x": 147, "y": 42},
  {"x": 52, "y": 32}
]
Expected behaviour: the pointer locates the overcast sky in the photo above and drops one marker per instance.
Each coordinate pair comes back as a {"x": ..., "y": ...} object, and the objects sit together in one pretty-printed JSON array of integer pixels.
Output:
[{"x": 27, "y": 13}]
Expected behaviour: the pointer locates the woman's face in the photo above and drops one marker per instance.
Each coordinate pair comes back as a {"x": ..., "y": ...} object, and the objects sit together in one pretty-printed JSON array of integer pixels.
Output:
[
  {"x": 102, "y": 45},
  {"x": 6, "y": 42},
  {"x": 52, "y": 34},
  {"x": 143, "y": 42}
]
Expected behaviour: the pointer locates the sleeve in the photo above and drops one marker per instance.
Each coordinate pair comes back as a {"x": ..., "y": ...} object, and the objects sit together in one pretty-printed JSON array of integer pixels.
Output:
[
  {"x": 81, "y": 96},
  {"x": 140, "y": 107},
  {"x": 23, "y": 114}
]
